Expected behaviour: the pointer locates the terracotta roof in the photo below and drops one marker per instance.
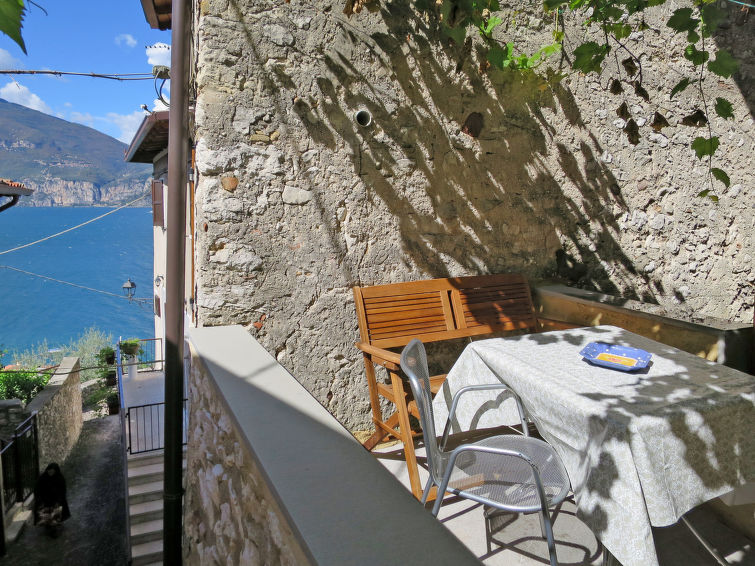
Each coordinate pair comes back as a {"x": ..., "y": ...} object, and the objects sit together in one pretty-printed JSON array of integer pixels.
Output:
[
  {"x": 157, "y": 13},
  {"x": 150, "y": 139},
  {"x": 12, "y": 188}
]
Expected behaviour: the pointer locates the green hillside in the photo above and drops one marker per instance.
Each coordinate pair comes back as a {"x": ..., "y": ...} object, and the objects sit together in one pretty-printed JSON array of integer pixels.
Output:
[{"x": 36, "y": 146}]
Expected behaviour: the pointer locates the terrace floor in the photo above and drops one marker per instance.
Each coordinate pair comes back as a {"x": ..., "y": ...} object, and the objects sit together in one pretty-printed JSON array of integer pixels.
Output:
[
  {"x": 520, "y": 535},
  {"x": 575, "y": 543}
]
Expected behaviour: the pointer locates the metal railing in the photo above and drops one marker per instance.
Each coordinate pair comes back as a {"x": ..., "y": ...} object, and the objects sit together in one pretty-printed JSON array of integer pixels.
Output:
[
  {"x": 20, "y": 461},
  {"x": 150, "y": 353},
  {"x": 146, "y": 427}
]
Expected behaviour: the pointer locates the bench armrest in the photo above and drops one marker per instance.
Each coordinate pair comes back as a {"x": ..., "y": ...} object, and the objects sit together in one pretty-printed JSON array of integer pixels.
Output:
[{"x": 386, "y": 358}]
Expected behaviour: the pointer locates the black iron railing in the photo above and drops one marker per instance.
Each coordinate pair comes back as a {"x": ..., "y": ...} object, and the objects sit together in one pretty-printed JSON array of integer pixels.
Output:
[
  {"x": 145, "y": 425},
  {"x": 20, "y": 457}
]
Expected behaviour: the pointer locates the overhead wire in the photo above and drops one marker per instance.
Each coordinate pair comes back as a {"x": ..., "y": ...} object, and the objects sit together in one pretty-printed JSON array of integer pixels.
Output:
[
  {"x": 136, "y": 299},
  {"x": 74, "y": 227},
  {"x": 111, "y": 76}
]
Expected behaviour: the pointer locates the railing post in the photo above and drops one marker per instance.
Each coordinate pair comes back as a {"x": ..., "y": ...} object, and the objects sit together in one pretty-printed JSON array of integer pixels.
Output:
[{"x": 18, "y": 479}]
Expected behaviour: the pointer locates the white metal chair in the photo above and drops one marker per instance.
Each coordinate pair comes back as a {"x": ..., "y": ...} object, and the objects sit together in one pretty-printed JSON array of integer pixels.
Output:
[{"x": 512, "y": 473}]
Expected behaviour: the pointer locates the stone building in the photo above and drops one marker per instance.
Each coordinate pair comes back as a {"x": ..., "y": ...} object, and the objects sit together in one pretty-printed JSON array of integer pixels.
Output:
[{"x": 334, "y": 151}]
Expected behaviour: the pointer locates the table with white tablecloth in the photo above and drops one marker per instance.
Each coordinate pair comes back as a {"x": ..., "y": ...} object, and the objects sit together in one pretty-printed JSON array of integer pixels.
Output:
[{"x": 641, "y": 447}]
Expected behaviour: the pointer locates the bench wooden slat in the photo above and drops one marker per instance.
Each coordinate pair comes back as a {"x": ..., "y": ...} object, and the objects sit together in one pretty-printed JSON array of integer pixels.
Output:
[{"x": 432, "y": 310}]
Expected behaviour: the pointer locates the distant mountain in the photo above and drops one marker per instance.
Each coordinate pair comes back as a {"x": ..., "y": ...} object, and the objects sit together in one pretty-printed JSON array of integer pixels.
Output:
[{"x": 66, "y": 164}]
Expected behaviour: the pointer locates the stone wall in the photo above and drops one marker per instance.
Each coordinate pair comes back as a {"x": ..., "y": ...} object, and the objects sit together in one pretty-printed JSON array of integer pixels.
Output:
[
  {"x": 296, "y": 202},
  {"x": 12, "y": 414},
  {"x": 229, "y": 514},
  {"x": 59, "y": 417}
]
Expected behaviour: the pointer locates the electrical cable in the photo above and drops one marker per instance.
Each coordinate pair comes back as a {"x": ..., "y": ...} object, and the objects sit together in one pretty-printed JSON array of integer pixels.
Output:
[
  {"x": 138, "y": 300},
  {"x": 746, "y": 5},
  {"x": 113, "y": 76},
  {"x": 75, "y": 227}
]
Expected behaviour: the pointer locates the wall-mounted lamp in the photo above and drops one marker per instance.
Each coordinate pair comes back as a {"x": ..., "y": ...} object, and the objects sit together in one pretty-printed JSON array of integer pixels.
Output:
[{"x": 159, "y": 280}]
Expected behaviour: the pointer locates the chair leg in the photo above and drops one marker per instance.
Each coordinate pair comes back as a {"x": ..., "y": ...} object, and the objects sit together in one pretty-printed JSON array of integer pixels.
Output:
[
  {"x": 426, "y": 492},
  {"x": 547, "y": 529},
  {"x": 405, "y": 432}
]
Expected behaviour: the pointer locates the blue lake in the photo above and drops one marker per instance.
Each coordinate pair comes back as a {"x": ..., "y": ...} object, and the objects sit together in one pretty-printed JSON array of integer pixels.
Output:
[{"x": 100, "y": 255}]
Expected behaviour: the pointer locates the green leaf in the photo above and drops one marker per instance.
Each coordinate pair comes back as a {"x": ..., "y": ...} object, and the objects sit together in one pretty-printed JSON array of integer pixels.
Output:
[
  {"x": 457, "y": 34},
  {"x": 721, "y": 175},
  {"x": 589, "y": 56},
  {"x": 552, "y": 4},
  {"x": 724, "y": 65},
  {"x": 486, "y": 28},
  {"x": 558, "y": 36},
  {"x": 703, "y": 146},
  {"x": 693, "y": 54},
  {"x": 693, "y": 37},
  {"x": 707, "y": 193},
  {"x": 11, "y": 18},
  {"x": 712, "y": 17},
  {"x": 501, "y": 57},
  {"x": 682, "y": 20},
  {"x": 724, "y": 108},
  {"x": 680, "y": 86}
]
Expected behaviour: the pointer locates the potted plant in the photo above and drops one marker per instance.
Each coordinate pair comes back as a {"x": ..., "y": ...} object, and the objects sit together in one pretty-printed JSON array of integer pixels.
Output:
[
  {"x": 131, "y": 347},
  {"x": 106, "y": 356},
  {"x": 110, "y": 377},
  {"x": 113, "y": 404}
]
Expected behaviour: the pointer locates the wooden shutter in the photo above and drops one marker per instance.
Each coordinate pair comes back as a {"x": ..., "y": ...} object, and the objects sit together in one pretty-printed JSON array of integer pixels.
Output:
[{"x": 157, "y": 204}]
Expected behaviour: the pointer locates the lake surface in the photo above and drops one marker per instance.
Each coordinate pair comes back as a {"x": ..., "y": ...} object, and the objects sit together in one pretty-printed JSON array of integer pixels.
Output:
[{"x": 100, "y": 255}]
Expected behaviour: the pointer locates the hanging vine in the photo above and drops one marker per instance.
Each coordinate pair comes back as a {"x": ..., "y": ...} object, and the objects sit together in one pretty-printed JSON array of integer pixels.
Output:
[{"x": 615, "y": 21}]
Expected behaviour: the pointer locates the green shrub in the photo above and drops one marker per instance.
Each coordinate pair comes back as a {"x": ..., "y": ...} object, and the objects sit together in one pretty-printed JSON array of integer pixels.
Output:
[
  {"x": 22, "y": 385},
  {"x": 86, "y": 347}
]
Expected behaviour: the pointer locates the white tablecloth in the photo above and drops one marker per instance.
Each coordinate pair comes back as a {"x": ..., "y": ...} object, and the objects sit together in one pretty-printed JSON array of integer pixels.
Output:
[{"x": 641, "y": 448}]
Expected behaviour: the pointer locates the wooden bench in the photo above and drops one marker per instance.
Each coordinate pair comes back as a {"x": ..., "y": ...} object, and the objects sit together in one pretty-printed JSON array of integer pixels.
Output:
[{"x": 431, "y": 310}]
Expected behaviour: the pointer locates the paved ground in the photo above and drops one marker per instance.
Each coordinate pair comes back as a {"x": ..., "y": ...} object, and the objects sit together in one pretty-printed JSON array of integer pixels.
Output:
[{"x": 95, "y": 533}]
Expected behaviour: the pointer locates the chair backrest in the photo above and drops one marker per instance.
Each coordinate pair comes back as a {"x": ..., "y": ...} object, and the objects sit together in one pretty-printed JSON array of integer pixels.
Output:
[
  {"x": 442, "y": 309},
  {"x": 414, "y": 364}
]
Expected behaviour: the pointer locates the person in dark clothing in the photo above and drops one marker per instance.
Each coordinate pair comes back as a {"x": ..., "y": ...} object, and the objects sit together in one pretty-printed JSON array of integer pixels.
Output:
[{"x": 50, "y": 504}]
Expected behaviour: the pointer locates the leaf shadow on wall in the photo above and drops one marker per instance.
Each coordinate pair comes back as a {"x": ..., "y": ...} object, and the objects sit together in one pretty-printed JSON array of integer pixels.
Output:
[{"x": 490, "y": 205}]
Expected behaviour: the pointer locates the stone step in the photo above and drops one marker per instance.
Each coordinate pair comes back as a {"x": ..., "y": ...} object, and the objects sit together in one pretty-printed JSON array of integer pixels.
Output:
[
  {"x": 145, "y": 474},
  {"x": 146, "y": 459},
  {"x": 147, "y": 553},
  {"x": 140, "y": 492},
  {"x": 145, "y": 511},
  {"x": 21, "y": 518},
  {"x": 146, "y": 531}
]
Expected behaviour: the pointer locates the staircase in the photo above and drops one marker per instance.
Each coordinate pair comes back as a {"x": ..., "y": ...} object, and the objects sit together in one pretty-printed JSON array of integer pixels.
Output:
[
  {"x": 145, "y": 503},
  {"x": 145, "y": 500}
]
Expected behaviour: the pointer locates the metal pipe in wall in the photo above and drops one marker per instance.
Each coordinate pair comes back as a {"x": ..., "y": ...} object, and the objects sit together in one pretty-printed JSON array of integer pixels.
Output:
[{"x": 178, "y": 145}]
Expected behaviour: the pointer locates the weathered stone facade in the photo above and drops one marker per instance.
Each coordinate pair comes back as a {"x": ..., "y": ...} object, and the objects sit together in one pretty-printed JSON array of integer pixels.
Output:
[
  {"x": 230, "y": 517},
  {"x": 59, "y": 417},
  {"x": 11, "y": 415},
  {"x": 296, "y": 202}
]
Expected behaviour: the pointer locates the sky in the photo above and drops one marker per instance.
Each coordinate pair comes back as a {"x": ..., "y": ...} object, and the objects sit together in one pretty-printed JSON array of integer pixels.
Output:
[{"x": 87, "y": 36}]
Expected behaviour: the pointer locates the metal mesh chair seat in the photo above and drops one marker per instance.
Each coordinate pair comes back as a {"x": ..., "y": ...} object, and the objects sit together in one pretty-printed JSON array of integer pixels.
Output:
[
  {"x": 496, "y": 479},
  {"x": 507, "y": 472}
]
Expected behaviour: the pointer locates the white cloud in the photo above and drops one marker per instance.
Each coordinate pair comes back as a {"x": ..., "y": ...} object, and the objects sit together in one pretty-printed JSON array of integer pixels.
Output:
[
  {"x": 18, "y": 93},
  {"x": 8, "y": 61},
  {"x": 158, "y": 105},
  {"x": 127, "y": 123},
  {"x": 125, "y": 39},
  {"x": 158, "y": 54},
  {"x": 82, "y": 118}
]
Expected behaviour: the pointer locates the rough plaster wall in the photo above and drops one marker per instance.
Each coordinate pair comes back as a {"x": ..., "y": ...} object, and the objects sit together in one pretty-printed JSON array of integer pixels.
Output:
[
  {"x": 230, "y": 517},
  {"x": 296, "y": 202}
]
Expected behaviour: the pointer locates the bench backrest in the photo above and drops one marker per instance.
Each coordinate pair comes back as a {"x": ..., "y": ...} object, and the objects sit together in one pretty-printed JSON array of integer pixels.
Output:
[{"x": 441, "y": 309}]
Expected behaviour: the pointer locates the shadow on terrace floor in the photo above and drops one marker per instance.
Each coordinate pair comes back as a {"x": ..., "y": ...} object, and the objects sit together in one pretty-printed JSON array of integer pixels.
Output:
[{"x": 575, "y": 544}]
